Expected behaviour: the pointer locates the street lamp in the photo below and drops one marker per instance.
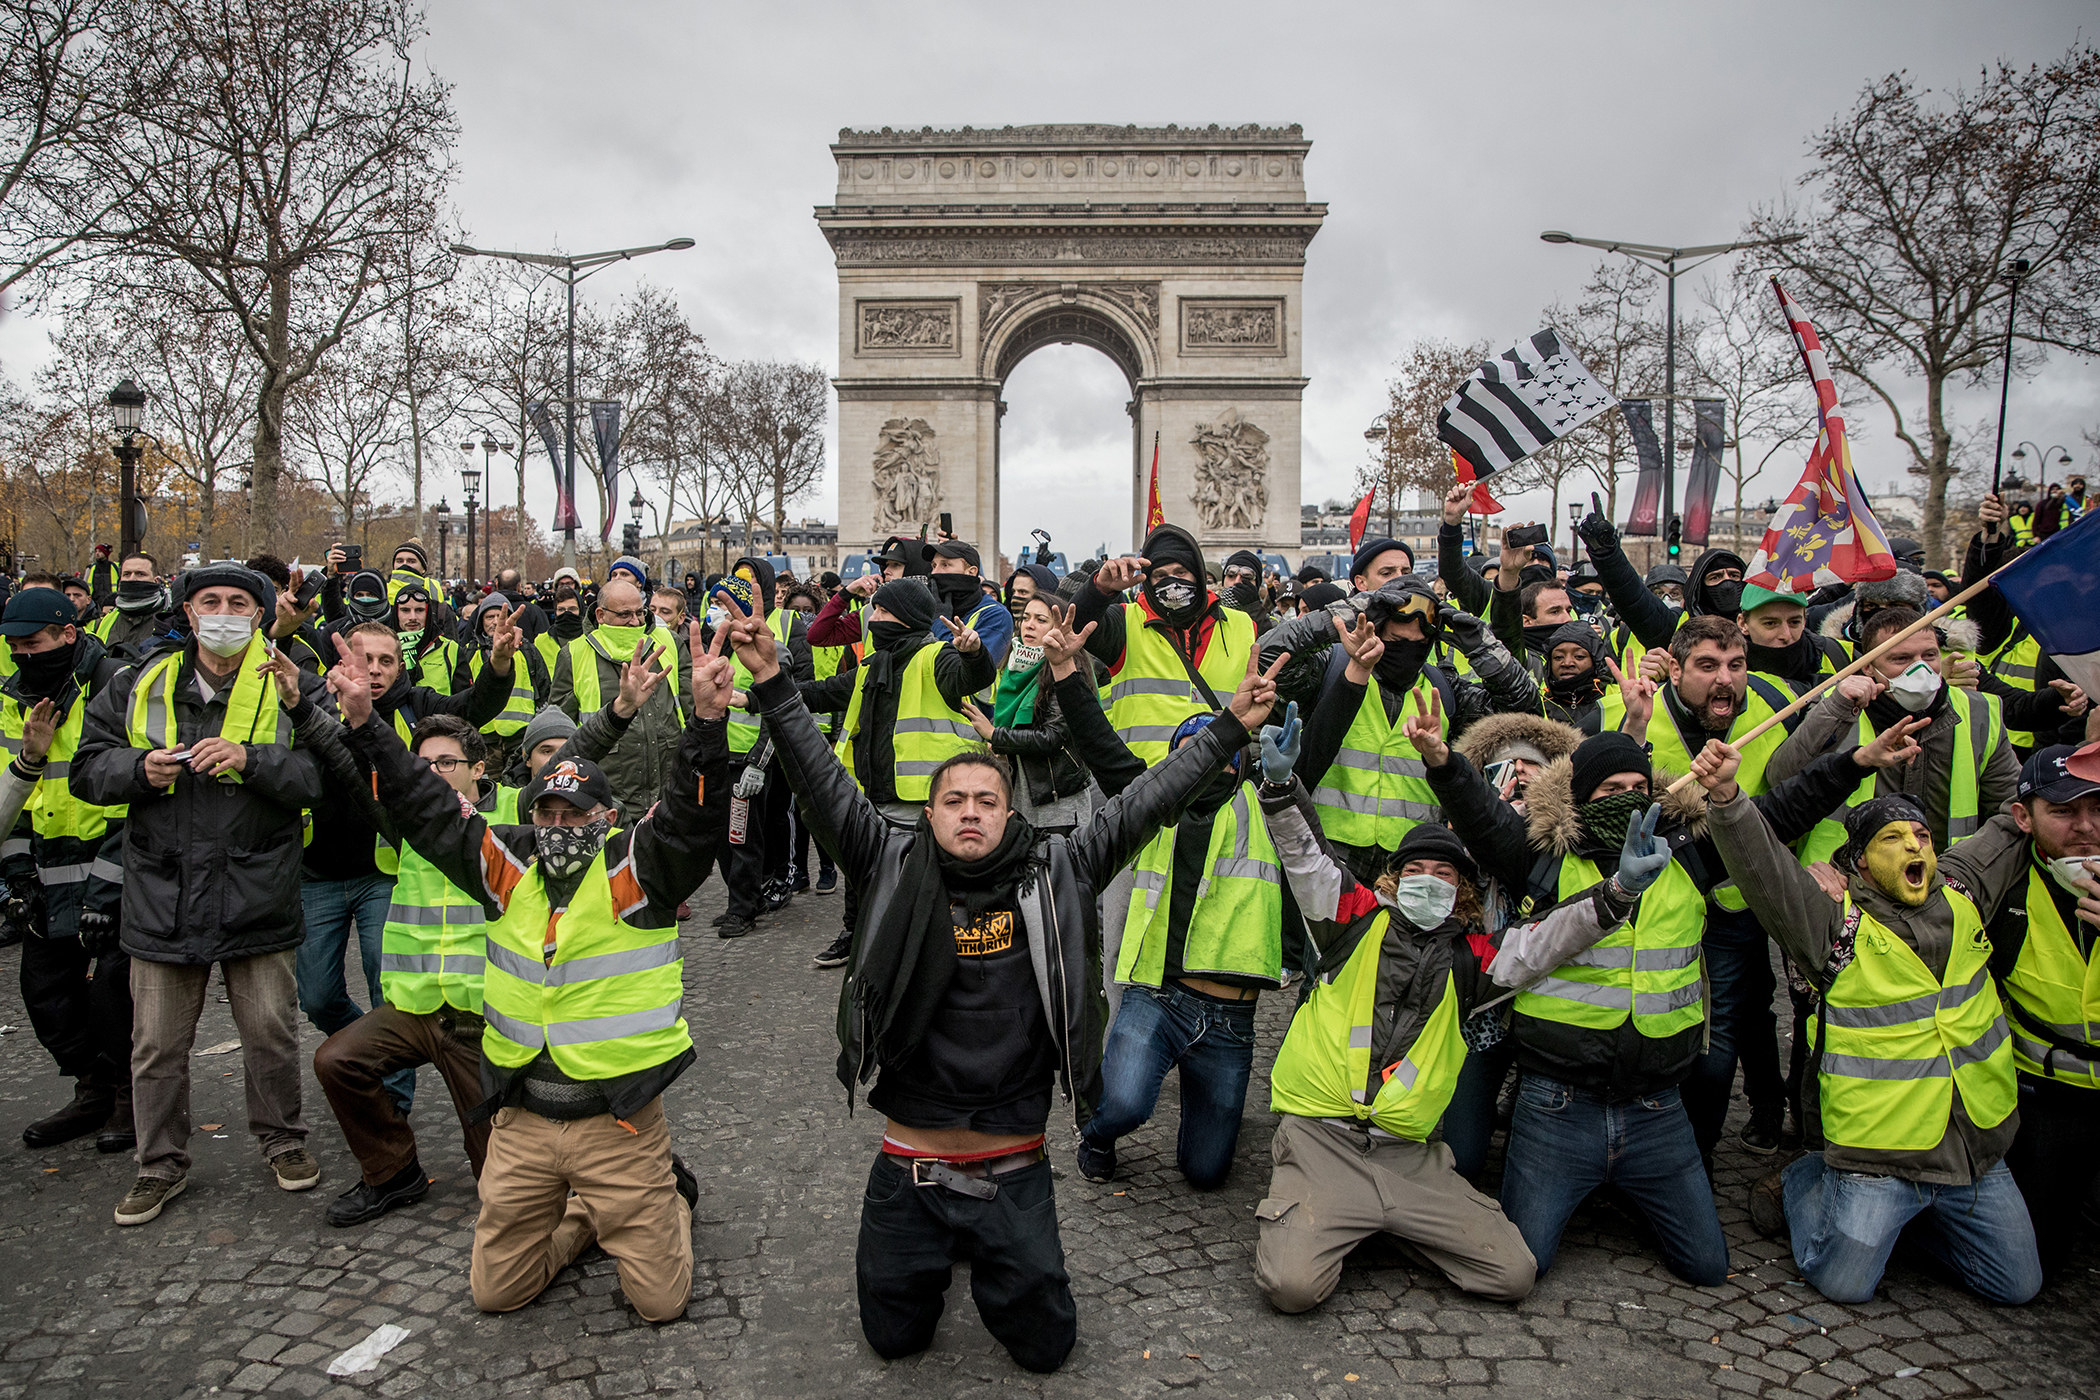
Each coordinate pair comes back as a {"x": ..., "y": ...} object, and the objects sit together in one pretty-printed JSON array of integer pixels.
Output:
[
  {"x": 2062, "y": 459},
  {"x": 572, "y": 270},
  {"x": 470, "y": 483},
  {"x": 444, "y": 529},
  {"x": 1667, "y": 259},
  {"x": 489, "y": 448},
  {"x": 1381, "y": 432},
  {"x": 1575, "y": 538},
  {"x": 127, "y": 407}
]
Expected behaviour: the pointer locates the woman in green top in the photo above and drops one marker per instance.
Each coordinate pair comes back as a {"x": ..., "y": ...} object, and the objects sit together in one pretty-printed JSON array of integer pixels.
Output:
[{"x": 1053, "y": 789}]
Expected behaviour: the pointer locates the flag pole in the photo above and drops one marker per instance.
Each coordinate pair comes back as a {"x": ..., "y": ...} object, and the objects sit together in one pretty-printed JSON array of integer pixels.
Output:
[{"x": 1817, "y": 690}]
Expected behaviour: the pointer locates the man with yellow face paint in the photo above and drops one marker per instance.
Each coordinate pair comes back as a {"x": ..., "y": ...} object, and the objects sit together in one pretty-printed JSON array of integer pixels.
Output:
[{"x": 1915, "y": 1085}]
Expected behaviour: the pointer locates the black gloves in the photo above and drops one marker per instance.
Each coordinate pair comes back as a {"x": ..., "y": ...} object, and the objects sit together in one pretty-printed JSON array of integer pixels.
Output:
[
  {"x": 98, "y": 932},
  {"x": 23, "y": 914},
  {"x": 1598, "y": 533},
  {"x": 1467, "y": 632}
]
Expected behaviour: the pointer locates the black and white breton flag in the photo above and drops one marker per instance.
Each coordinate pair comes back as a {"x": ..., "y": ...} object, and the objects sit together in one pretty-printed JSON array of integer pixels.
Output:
[{"x": 1516, "y": 403}]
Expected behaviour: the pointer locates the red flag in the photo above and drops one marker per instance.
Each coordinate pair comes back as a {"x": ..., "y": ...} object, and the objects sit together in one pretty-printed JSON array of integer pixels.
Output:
[
  {"x": 1484, "y": 502},
  {"x": 1359, "y": 519},
  {"x": 1155, "y": 515}
]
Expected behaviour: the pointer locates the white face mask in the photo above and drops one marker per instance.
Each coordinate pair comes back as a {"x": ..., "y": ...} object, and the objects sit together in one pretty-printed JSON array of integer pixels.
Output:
[
  {"x": 1424, "y": 900},
  {"x": 1020, "y": 656},
  {"x": 1914, "y": 689},
  {"x": 716, "y": 616},
  {"x": 2068, "y": 870},
  {"x": 224, "y": 634}
]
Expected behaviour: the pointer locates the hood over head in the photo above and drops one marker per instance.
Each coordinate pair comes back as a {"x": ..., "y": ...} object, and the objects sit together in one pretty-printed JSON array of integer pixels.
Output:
[
  {"x": 1491, "y": 739},
  {"x": 1697, "y": 594},
  {"x": 1170, "y": 544},
  {"x": 763, "y": 573}
]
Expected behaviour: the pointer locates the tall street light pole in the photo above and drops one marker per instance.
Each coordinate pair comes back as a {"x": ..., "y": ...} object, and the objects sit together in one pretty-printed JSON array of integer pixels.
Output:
[
  {"x": 1668, "y": 260},
  {"x": 571, "y": 270},
  {"x": 489, "y": 448},
  {"x": 2012, "y": 306},
  {"x": 127, "y": 406},
  {"x": 2062, "y": 458}
]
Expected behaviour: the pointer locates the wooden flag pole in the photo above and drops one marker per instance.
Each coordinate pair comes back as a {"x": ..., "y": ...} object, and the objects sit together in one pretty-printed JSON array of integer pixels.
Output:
[{"x": 1862, "y": 663}]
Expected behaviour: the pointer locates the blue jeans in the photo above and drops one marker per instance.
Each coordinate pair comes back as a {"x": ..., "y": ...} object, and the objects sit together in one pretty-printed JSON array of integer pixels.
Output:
[
  {"x": 1845, "y": 1223},
  {"x": 1565, "y": 1143},
  {"x": 1744, "y": 1031},
  {"x": 332, "y": 907},
  {"x": 1213, "y": 1042},
  {"x": 1468, "y": 1128}
]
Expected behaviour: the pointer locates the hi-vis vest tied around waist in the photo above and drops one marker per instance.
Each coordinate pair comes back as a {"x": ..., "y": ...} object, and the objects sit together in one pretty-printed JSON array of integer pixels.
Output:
[
  {"x": 1979, "y": 724},
  {"x": 1896, "y": 1042},
  {"x": 744, "y": 723},
  {"x": 1378, "y": 787},
  {"x": 1324, "y": 1069},
  {"x": 927, "y": 733},
  {"x": 434, "y": 946},
  {"x": 2059, "y": 987},
  {"x": 54, "y": 812},
  {"x": 1152, "y": 694},
  {"x": 1647, "y": 968},
  {"x": 1236, "y": 926},
  {"x": 607, "y": 1002}
]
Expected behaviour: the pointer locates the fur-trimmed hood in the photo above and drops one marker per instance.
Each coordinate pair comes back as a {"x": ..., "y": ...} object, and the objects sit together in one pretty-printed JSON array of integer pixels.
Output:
[
  {"x": 1956, "y": 633},
  {"x": 1491, "y": 732},
  {"x": 1550, "y": 807}
]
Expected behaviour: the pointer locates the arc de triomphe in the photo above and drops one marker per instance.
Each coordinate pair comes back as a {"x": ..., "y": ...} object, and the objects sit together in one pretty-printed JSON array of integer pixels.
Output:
[{"x": 1177, "y": 252}]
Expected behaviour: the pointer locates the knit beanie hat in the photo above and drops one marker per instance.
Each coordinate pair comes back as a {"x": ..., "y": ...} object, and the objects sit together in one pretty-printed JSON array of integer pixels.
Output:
[{"x": 1601, "y": 755}]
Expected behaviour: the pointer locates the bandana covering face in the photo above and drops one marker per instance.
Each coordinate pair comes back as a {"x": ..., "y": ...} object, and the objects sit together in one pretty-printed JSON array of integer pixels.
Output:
[
  {"x": 1604, "y": 819},
  {"x": 1173, "y": 599},
  {"x": 565, "y": 851}
]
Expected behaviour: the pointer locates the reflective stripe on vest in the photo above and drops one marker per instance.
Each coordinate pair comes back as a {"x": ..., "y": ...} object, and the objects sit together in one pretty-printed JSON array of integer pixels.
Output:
[
  {"x": 2017, "y": 661},
  {"x": 2057, "y": 986},
  {"x": 519, "y": 706},
  {"x": 1648, "y": 968},
  {"x": 608, "y": 1004},
  {"x": 1152, "y": 694},
  {"x": 1897, "y": 1041},
  {"x": 54, "y": 812},
  {"x": 927, "y": 732},
  {"x": 1324, "y": 1069},
  {"x": 1378, "y": 787},
  {"x": 1236, "y": 924},
  {"x": 744, "y": 724},
  {"x": 824, "y": 664}
]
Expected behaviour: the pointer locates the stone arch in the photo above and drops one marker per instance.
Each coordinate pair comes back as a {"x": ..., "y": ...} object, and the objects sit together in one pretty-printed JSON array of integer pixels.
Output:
[{"x": 1090, "y": 320}]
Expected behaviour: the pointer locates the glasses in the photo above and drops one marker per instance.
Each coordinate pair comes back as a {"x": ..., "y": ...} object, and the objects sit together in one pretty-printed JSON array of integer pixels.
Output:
[
  {"x": 561, "y": 813},
  {"x": 448, "y": 765},
  {"x": 1240, "y": 574},
  {"x": 629, "y": 617}
]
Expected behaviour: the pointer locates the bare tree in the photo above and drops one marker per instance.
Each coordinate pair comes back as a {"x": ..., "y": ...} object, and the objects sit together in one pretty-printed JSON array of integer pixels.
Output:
[
  {"x": 765, "y": 430},
  {"x": 648, "y": 356},
  {"x": 1410, "y": 456},
  {"x": 345, "y": 421},
  {"x": 511, "y": 355},
  {"x": 1915, "y": 213},
  {"x": 286, "y": 151},
  {"x": 1744, "y": 355}
]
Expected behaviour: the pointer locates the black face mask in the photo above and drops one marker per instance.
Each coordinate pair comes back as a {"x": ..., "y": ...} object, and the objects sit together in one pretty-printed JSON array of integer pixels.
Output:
[
  {"x": 1538, "y": 636},
  {"x": 1401, "y": 666},
  {"x": 567, "y": 626},
  {"x": 138, "y": 595},
  {"x": 1214, "y": 794},
  {"x": 959, "y": 592},
  {"x": 1241, "y": 596},
  {"x": 1175, "y": 599},
  {"x": 1798, "y": 661},
  {"x": 367, "y": 609},
  {"x": 887, "y": 635},
  {"x": 1724, "y": 599},
  {"x": 42, "y": 673}
]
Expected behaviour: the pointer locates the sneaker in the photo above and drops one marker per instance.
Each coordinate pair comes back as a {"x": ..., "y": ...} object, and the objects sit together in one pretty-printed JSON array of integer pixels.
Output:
[
  {"x": 1768, "y": 1207},
  {"x": 90, "y": 1109},
  {"x": 827, "y": 881},
  {"x": 800, "y": 884},
  {"x": 296, "y": 1170},
  {"x": 365, "y": 1201},
  {"x": 1096, "y": 1163},
  {"x": 734, "y": 928},
  {"x": 146, "y": 1197},
  {"x": 688, "y": 1184},
  {"x": 838, "y": 954},
  {"x": 1761, "y": 1133},
  {"x": 777, "y": 898}
]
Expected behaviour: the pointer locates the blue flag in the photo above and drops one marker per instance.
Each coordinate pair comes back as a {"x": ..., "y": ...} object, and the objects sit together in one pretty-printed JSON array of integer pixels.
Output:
[{"x": 2055, "y": 590}]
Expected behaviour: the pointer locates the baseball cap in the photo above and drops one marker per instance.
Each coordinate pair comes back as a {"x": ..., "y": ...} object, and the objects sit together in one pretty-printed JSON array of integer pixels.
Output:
[
  {"x": 2049, "y": 775},
  {"x": 955, "y": 549},
  {"x": 33, "y": 609},
  {"x": 577, "y": 781}
]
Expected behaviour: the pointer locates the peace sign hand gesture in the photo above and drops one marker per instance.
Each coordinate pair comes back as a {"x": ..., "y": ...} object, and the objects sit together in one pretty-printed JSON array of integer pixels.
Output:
[
  {"x": 1425, "y": 728},
  {"x": 639, "y": 677},
  {"x": 1256, "y": 695},
  {"x": 1360, "y": 639},
  {"x": 1637, "y": 694}
]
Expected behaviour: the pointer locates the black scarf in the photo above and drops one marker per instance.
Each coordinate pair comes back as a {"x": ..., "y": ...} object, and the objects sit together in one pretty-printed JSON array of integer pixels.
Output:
[
  {"x": 906, "y": 966},
  {"x": 1800, "y": 662}
]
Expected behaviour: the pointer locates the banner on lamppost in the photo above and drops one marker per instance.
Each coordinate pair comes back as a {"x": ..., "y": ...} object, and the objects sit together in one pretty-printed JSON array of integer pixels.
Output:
[
  {"x": 1647, "y": 488},
  {"x": 1710, "y": 418},
  {"x": 605, "y": 427},
  {"x": 543, "y": 419}
]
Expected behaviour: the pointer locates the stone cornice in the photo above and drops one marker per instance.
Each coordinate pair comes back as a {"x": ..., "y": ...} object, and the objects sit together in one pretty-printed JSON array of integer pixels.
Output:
[{"x": 1072, "y": 135}]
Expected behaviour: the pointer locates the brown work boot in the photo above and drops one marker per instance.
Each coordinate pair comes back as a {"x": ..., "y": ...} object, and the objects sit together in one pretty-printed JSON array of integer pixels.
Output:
[
  {"x": 1768, "y": 1207},
  {"x": 90, "y": 1109},
  {"x": 119, "y": 1134}
]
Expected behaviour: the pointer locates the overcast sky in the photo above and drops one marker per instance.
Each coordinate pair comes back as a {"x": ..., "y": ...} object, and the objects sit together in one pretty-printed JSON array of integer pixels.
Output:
[{"x": 1444, "y": 138}]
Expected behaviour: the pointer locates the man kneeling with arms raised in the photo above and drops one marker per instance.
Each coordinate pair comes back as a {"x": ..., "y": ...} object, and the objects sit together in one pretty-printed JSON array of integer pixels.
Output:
[{"x": 974, "y": 984}]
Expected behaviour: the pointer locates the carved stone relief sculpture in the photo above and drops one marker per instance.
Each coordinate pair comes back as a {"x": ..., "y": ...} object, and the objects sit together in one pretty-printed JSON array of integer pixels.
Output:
[
  {"x": 1232, "y": 474},
  {"x": 1229, "y": 327},
  {"x": 907, "y": 475},
  {"x": 921, "y": 326}
]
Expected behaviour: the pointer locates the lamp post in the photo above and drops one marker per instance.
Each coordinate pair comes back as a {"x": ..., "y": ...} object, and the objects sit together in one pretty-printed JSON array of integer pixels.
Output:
[
  {"x": 2063, "y": 459},
  {"x": 444, "y": 529},
  {"x": 1575, "y": 538},
  {"x": 490, "y": 446},
  {"x": 127, "y": 405},
  {"x": 634, "y": 522},
  {"x": 1381, "y": 432},
  {"x": 1667, "y": 260},
  {"x": 470, "y": 482},
  {"x": 572, "y": 269}
]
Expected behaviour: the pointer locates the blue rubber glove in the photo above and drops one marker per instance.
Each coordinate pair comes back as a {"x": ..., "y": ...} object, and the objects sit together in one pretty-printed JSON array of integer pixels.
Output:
[
  {"x": 1642, "y": 858},
  {"x": 1279, "y": 746}
]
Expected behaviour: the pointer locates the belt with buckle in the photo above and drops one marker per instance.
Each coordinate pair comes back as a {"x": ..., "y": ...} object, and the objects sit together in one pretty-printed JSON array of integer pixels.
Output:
[{"x": 971, "y": 1178}]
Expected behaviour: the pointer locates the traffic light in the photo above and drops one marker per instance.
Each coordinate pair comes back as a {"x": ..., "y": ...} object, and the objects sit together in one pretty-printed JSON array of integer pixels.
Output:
[
  {"x": 1676, "y": 536},
  {"x": 630, "y": 539}
]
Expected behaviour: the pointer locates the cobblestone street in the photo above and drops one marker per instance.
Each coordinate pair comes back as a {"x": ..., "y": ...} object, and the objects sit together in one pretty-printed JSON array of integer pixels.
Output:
[{"x": 241, "y": 1287}]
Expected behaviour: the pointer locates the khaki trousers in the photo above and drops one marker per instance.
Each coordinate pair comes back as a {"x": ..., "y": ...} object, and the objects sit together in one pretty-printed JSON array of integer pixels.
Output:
[
  {"x": 167, "y": 999},
  {"x": 626, "y": 1199},
  {"x": 1334, "y": 1187}
]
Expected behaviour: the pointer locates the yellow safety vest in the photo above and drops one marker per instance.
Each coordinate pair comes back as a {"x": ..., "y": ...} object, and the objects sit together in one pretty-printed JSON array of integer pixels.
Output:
[
  {"x": 1896, "y": 1041},
  {"x": 2016, "y": 662},
  {"x": 1647, "y": 968},
  {"x": 520, "y": 705},
  {"x": 1964, "y": 783},
  {"x": 744, "y": 724},
  {"x": 1152, "y": 694},
  {"x": 2055, "y": 984},
  {"x": 824, "y": 664},
  {"x": 1761, "y": 699},
  {"x": 927, "y": 734},
  {"x": 1236, "y": 926},
  {"x": 1377, "y": 789},
  {"x": 1324, "y": 1068},
  {"x": 584, "y": 652}
]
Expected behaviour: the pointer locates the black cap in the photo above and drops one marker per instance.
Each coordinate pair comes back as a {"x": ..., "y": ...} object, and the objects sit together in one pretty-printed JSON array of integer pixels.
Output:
[
  {"x": 955, "y": 549},
  {"x": 33, "y": 609},
  {"x": 1425, "y": 841},
  {"x": 2048, "y": 775},
  {"x": 577, "y": 781}
]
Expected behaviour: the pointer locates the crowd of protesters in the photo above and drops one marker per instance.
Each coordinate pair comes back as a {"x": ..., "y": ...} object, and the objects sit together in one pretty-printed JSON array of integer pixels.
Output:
[{"x": 1512, "y": 835}]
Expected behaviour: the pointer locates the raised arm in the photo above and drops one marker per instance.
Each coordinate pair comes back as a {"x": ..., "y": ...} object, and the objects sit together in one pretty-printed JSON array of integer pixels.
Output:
[{"x": 675, "y": 845}]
